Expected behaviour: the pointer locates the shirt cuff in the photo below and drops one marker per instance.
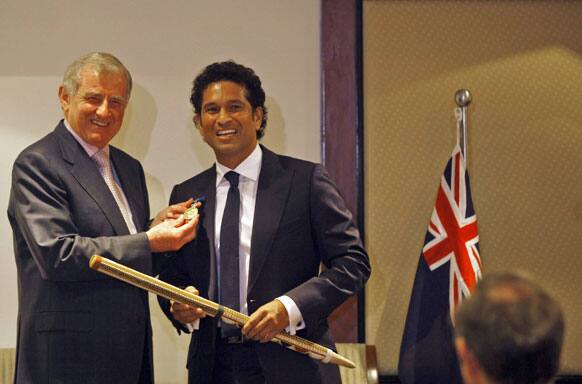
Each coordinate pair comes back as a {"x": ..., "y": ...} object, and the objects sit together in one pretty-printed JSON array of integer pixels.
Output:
[
  {"x": 296, "y": 322},
  {"x": 193, "y": 326}
]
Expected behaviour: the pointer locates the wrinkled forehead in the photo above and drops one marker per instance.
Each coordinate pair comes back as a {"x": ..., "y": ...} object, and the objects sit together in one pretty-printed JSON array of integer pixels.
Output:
[{"x": 111, "y": 81}]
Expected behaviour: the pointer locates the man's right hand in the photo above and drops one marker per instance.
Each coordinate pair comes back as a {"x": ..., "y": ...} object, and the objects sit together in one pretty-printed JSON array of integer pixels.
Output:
[
  {"x": 186, "y": 314},
  {"x": 171, "y": 235},
  {"x": 173, "y": 211}
]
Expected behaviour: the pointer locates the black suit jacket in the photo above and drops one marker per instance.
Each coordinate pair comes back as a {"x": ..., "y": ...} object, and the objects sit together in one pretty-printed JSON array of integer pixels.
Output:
[
  {"x": 76, "y": 325},
  {"x": 300, "y": 221}
]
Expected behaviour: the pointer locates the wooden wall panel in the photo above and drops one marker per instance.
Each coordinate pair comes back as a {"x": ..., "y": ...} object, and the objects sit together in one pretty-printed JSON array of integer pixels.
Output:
[{"x": 341, "y": 130}]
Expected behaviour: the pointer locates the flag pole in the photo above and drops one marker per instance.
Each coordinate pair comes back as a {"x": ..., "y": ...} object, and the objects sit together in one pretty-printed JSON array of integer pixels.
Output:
[{"x": 463, "y": 99}]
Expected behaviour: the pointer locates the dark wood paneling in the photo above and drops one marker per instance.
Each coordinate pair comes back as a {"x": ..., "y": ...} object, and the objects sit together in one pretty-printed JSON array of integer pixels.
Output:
[{"x": 341, "y": 130}]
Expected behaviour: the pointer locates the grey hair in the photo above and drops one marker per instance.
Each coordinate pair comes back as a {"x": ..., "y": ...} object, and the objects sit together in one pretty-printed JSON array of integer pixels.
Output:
[{"x": 100, "y": 62}]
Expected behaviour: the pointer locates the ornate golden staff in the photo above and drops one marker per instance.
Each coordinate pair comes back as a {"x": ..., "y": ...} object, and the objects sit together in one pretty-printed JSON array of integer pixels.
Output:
[{"x": 170, "y": 292}]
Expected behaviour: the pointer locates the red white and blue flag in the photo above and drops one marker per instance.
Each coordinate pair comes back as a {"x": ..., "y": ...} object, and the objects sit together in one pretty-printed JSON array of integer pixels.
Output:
[{"x": 447, "y": 272}]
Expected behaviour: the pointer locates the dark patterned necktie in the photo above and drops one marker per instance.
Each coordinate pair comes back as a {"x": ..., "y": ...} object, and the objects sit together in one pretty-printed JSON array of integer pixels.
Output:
[{"x": 229, "y": 247}]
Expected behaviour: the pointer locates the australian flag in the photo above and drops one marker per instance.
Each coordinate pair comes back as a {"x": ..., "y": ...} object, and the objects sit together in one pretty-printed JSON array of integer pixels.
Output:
[{"x": 447, "y": 272}]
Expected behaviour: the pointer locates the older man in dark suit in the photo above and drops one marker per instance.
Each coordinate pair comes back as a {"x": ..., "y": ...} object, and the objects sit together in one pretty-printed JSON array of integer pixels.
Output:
[
  {"x": 73, "y": 195},
  {"x": 268, "y": 222}
]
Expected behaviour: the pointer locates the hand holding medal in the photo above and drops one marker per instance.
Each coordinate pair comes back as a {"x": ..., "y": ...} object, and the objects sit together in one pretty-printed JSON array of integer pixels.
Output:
[{"x": 192, "y": 211}]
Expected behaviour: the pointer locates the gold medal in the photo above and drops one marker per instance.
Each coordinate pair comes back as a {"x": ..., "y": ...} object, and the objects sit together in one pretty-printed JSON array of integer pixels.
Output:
[{"x": 191, "y": 212}]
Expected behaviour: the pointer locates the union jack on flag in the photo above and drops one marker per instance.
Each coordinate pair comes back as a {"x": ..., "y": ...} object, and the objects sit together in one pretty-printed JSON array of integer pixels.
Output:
[
  {"x": 448, "y": 270},
  {"x": 453, "y": 227}
]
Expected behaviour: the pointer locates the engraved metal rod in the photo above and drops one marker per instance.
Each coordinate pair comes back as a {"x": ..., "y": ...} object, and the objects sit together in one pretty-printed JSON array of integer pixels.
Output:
[
  {"x": 170, "y": 292},
  {"x": 463, "y": 99}
]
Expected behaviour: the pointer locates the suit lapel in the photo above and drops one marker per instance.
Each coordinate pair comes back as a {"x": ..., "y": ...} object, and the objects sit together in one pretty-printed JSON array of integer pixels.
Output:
[
  {"x": 272, "y": 195},
  {"x": 84, "y": 169},
  {"x": 203, "y": 270},
  {"x": 209, "y": 225}
]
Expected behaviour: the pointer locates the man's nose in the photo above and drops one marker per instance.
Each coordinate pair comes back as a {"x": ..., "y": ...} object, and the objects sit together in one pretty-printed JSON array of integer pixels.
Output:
[
  {"x": 223, "y": 116},
  {"x": 103, "y": 109}
]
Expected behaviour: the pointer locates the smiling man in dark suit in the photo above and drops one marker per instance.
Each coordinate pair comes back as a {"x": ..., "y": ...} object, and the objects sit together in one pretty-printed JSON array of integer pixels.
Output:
[
  {"x": 268, "y": 222},
  {"x": 73, "y": 195}
]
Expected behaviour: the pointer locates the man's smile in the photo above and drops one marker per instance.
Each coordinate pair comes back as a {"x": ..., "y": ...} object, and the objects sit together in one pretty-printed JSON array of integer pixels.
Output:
[
  {"x": 226, "y": 132},
  {"x": 99, "y": 123}
]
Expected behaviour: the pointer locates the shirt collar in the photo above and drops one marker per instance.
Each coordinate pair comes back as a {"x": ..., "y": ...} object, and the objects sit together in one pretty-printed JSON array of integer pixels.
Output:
[
  {"x": 249, "y": 168},
  {"x": 89, "y": 148}
]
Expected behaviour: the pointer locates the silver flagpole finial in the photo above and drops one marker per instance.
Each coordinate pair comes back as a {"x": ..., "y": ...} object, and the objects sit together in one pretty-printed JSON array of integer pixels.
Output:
[{"x": 463, "y": 98}]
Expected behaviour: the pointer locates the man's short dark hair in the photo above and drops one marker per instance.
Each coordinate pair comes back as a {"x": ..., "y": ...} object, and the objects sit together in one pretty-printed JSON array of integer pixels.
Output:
[
  {"x": 237, "y": 73},
  {"x": 514, "y": 329}
]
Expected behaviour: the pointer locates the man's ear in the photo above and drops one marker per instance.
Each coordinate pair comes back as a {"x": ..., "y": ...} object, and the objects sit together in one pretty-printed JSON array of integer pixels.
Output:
[
  {"x": 470, "y": 366},
  {"x": 258, "y": 117},
  {"x": 196, "y": 120},
  {"x": 64, "y": 98},
  {"x": 461, "y": 347}
]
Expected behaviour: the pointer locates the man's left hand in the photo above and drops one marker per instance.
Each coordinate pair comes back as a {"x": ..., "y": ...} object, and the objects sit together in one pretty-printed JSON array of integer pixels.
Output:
[{"x": 266, "y": 322}]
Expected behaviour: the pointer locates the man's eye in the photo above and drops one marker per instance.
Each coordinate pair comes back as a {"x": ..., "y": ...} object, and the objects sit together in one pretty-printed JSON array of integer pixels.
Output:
[
  {"x": 212, "y": 110},
  {"x": 235, "y": 107},
  {"x": 93, "y": 98}
]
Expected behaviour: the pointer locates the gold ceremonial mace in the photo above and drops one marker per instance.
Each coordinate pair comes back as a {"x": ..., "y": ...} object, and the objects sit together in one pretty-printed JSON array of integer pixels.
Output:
[{"x": 170, "y": 292}]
